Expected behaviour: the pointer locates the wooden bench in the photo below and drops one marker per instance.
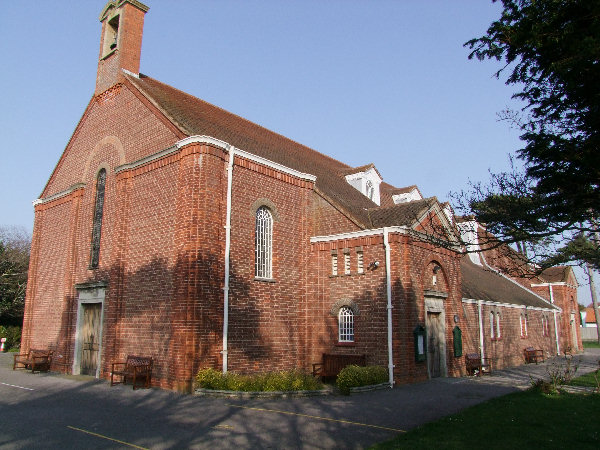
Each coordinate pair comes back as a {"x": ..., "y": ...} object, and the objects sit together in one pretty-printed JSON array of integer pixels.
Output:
[
  {"x": 135, "y": 368},
  {"x": 477, "y": 366},
  {"x": 533, "y": 355},
  {"x": 333, "y": 364},
  {"x": 35, "y": 359}
]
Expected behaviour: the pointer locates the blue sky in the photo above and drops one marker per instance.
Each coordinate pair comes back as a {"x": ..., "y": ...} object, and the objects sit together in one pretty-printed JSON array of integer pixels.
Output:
[{"x": 363, "y": 81}]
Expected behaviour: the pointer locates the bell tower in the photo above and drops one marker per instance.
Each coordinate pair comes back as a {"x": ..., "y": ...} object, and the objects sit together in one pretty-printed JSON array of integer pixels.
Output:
[{"x": 120, "y": 41}]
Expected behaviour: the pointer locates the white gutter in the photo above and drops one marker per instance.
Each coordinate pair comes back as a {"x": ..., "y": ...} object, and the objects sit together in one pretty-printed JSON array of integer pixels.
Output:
[
  {"x": 202, "y": 139},
  {"x": 357, "y": 234},
  {"x": 509, "y": 305},
  {"x": 388, "y": 279},
  {"x": 555, "y": 322},
  {"x": 227, "y": 250},
  {"x": 480, "y": 331}
]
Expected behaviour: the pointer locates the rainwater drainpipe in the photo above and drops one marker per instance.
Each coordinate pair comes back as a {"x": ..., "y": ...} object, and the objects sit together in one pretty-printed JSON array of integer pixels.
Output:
[
  {"x": 480, "y": 330},
  {"x": 227, "y": 250},
  {"x": 388, "y": 277},
  {"x": 555, "y": 322}
]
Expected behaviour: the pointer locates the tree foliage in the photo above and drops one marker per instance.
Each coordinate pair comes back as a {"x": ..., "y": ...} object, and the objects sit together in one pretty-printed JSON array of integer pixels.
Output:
[
  {"x": 550, "y": 52},
  {"x": 14, "y": 262}
]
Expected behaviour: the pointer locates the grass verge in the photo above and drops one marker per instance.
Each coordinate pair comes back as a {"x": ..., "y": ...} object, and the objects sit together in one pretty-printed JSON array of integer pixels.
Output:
[
  {"x": 527, "y": 419},
  {"x": 591, "y": 344}
]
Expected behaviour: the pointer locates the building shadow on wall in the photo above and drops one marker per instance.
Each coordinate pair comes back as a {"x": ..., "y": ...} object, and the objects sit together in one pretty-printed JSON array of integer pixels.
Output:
[{"x": 170, "y": 311}]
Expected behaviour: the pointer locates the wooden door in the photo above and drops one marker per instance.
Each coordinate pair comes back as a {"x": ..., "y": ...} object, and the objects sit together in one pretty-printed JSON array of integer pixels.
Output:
[
  {"x": 434, "y": 345},
  {"x": 90, "y": 338}
]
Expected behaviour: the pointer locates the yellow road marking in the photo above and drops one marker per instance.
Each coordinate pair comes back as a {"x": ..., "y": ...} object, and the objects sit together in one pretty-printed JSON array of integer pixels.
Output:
[
  {"x": 318, "y": 418},
  {"x": 106, "y": 437},
  {"x": 224, "y": 427}
]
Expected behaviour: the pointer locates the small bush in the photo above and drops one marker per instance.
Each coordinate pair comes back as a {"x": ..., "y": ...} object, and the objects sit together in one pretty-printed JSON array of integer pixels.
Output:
[
  {"x": 12, "y": 335},
  {"x": 293, "y": 380},
  {"x": 559, "y": 373},
  {"x": 355, "y": 376}
]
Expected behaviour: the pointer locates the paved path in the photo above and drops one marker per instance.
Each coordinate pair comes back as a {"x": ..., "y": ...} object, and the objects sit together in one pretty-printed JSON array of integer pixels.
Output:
[{"x": 57, "y": 411}]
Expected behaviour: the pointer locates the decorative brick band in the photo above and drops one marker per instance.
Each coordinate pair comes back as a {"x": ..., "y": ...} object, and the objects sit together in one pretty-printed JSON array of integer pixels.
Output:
[{"x": 108, "y": 94}]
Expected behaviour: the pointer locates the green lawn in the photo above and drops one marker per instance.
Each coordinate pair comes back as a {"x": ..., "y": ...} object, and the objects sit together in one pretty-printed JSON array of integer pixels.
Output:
[
  {"x": 589, "y": 379},
  {"x": 591, "y": 344},
  {"x": 527, "y": 419}
]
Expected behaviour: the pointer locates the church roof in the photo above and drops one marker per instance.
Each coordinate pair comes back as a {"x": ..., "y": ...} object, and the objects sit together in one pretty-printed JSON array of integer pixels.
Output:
[
  {"x": 481, "y": 283},
  {"x": 194, "y": 116},
  {"x": 401, "y": 214},
  {"x": 556, "y": 274}
]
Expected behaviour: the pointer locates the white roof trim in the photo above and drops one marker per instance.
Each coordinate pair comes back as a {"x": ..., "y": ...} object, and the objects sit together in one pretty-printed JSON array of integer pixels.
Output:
[
  {"x": 128, "y": 72},
  {"x": 356, "y": 234},
  {"x": 244, "y": 154},
  {"x": 147, "y": 159},
  {"x": 64, "y": 193},
  {"x": 510, "y": 305}
]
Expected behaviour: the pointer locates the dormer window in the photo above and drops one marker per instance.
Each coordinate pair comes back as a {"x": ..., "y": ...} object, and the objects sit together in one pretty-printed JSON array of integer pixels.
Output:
[
  {"x": 366, "y": 181},
  {"x": 409, "y": 195}
]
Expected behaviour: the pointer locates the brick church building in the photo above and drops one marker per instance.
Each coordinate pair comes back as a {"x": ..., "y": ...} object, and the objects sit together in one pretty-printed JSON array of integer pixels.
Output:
[{"x": 174, "y": 229}]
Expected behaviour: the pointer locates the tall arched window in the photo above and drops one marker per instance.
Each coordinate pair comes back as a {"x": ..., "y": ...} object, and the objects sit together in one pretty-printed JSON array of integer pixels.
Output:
[
  {"x": 346, "y": 324},
  {"x": 492, "y": 334},
  {"x": 523, "y": 325},
  {"x": 97, "y": 225},
  {"x": 498, "y": 330},
  {"x": 264, "y": 243}
]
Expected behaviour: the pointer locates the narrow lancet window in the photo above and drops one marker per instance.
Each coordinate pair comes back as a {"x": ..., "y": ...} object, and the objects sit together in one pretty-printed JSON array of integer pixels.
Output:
[
  {"x": 264, "y": 240},
  {"x": 97, "y": 225}
]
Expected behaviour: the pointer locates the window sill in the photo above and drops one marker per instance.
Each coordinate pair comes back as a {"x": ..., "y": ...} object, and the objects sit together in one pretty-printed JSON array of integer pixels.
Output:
[
  {"x": 265, "y": 280},
  {"x": 345, "y": 344},
  {"x": 114, "y": 50}
]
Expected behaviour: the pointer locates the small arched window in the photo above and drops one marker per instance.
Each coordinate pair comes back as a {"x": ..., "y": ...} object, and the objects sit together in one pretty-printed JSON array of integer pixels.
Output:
[
  {"x": 492, "y": 334},
  {"x": 370, "y": 190},
  {"x": 346, "y": 324},
  {"x": 264, "y": 243},
  {"x": 97, "y": 224}
]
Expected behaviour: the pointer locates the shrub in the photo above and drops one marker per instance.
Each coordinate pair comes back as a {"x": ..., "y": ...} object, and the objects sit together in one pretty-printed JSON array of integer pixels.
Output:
[
  {"x": 558, "y": 374},
  {"x": 12, "y": 335},
  {"x": 293, "y": 380},
  {"x": 355, "y": 376}
]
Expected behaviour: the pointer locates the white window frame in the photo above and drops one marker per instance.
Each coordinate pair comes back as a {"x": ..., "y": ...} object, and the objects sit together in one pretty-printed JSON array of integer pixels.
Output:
[
  {"x": 263, "y": 252},
  {"x": 334, "y": 264},
  {"x": 492, "y": 333},
  {"x": 345, "y": 324}
]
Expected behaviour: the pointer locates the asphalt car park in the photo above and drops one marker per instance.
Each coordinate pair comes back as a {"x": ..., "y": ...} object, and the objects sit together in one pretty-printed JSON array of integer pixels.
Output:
[{"x": 48, "y": 410}]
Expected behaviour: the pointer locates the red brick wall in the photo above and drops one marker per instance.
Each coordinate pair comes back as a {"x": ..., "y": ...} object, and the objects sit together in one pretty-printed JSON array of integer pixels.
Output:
[
  {"x": 409, "y": 260},
  {"x": 267, "y": 318},
  {"x": 120, "y": 121}
]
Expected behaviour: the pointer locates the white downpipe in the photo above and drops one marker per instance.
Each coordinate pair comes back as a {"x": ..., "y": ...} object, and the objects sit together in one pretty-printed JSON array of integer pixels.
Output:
[
  {"x": 555, "y": 323},
  {"x": 480, "y": 330},
  {"x": 388, "y": 279},
  {"x": 227, "y": 250}
]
